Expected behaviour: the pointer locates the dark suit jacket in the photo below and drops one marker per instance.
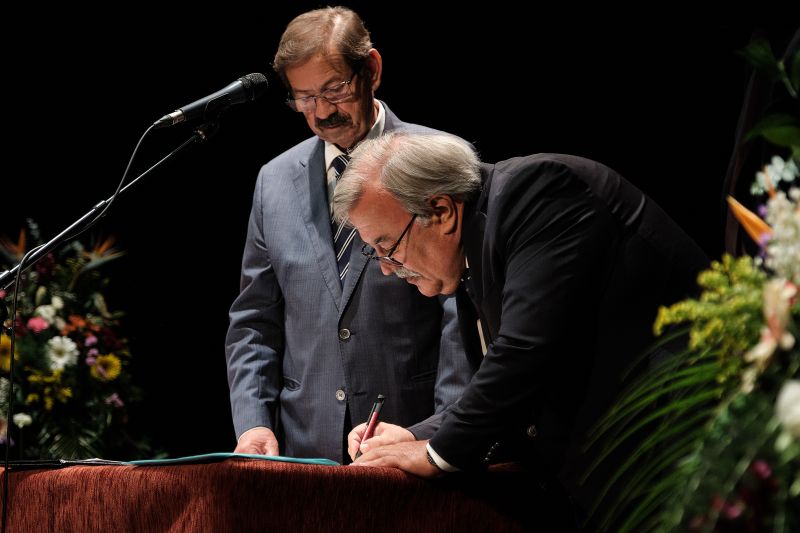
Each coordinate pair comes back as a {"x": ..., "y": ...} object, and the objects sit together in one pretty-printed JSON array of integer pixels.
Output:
[
  {"x": 302, "y": 349},
  {"x": 568, "y": 265}
]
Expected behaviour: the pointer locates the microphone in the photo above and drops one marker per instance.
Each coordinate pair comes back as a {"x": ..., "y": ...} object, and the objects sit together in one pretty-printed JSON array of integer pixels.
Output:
[{"x": 245, "y": 89}]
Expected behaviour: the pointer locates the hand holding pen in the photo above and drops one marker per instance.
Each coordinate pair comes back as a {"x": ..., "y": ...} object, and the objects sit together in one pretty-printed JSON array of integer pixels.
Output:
[{"x": 372, "y": 421}]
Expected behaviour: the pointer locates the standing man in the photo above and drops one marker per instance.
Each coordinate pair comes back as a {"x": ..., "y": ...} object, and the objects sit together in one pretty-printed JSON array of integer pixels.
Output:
[
  {"x": 565, "y": 264},
  {"x": 313, "y": 339}
]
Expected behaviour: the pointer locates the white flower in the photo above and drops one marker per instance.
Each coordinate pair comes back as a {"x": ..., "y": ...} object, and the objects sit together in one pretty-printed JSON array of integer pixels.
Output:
[
  {"x": 48, "y": 312},
  {"x": 777, "y": 170},
  {"x": 61, "y": 352},
  {"x": 22, "y": 419},
  {"x": 761, "y": 353},
  {"x": 777, "y": 294},
  {"x": 57, "y": 303},
  {"x": 4, "y": 385},
  {"x": 787, "y": 407},
  {"x": 783, "y": 249},
  {"x": 749, "y": 379}
]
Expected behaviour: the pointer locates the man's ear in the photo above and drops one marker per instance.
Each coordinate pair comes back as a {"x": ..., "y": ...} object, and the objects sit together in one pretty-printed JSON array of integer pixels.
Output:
[
  {"x": 445, "y": 213},
  {"x": 375, "y": 64}
]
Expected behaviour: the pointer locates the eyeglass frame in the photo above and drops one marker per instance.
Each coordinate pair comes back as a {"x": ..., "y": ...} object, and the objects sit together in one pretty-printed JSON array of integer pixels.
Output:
[
  {"x": 292, "y": 102},
  {"x": 388, "y": 259}
]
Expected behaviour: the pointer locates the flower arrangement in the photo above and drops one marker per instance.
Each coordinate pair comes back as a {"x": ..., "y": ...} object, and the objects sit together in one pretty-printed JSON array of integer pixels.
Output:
[
  {"x": 717, "y": 426},
  {"x": 71, "y": 382},
  {"x": 722, "y": 451}
]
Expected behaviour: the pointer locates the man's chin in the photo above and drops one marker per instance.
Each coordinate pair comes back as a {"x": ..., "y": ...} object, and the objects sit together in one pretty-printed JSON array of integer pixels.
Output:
[
  {"x": 426, "y": 289},
  {"x": 339, "y": 135}
]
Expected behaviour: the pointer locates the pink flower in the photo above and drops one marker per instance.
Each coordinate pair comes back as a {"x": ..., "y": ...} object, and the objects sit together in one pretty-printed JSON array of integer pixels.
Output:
[
  {"x": 91, "y": 340},
  {"x": 38, "y": 324},
  {"x": 92, "y": 353},
  {"x": 115, "y": 400},
  {"x": 761, "y": 469},
  {"x": 734, "y": 511}
]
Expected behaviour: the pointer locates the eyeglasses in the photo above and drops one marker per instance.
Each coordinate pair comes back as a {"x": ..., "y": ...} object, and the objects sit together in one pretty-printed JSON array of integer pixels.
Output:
[
  {"x": 333, "y": 95},
  {"x": 388, "y": 259}
]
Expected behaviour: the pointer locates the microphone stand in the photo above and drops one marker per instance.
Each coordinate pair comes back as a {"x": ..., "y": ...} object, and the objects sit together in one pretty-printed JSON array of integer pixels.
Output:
[{"x": 7, "y": 277}]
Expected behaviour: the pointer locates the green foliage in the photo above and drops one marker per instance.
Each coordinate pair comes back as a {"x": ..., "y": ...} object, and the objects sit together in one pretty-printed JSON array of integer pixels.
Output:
[
  {"x": 727, "y": 317},
  {"x": 714, "y": 456},
  {"x": 779, "y": 129}
]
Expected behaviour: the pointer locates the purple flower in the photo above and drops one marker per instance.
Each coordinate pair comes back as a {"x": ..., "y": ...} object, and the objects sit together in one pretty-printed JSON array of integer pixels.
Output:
[{"x": 91, "y": 340}]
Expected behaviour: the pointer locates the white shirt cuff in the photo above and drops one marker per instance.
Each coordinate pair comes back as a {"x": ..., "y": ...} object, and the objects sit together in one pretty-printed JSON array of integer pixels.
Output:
[
  {"x": 441, "y": 463},
  {"x": 249, "y": 430}
]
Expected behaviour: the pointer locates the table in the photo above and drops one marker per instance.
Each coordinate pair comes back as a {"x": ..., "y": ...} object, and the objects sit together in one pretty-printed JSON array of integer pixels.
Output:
[{"x": 257, "y": 495}]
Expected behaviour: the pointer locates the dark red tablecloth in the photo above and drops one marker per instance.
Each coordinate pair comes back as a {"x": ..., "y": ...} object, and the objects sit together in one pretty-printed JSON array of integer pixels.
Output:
[{"x": 254, "y": 495}]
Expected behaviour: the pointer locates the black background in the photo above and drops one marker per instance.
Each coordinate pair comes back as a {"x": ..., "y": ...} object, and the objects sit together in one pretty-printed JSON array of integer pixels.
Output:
[{"x": 655, "y": 95}]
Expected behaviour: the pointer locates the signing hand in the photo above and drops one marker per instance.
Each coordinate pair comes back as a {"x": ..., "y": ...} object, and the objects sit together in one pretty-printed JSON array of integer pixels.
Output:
[
  {"x": 410, "y": 457},
  {"x": 258, "y": 441},
  {"x": 384, "y": 434}
]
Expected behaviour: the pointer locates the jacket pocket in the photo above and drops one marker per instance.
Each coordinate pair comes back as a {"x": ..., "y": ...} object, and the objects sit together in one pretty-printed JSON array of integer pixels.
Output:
[{"x": 290, "y": 384}]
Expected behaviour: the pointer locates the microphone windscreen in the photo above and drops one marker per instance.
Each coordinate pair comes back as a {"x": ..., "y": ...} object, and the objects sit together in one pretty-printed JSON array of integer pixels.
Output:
[{"x": 255, "y": 84}]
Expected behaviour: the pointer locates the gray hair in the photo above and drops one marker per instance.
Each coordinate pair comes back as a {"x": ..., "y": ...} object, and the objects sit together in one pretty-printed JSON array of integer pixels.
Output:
[
  {"x": 327, "y": 31},
  {"x": 412, "y": 168}
]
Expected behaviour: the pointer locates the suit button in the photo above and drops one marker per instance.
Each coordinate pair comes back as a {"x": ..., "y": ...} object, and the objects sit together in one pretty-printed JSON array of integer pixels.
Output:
[
  {"x": 344, "y": 334},
  {"x": 340, "y": 395},
  {"x": 531, "y": 431}
]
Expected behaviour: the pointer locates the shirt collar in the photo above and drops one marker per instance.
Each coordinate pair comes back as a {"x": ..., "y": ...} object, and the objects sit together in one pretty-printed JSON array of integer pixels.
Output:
[{"x": 332, "y": 151}]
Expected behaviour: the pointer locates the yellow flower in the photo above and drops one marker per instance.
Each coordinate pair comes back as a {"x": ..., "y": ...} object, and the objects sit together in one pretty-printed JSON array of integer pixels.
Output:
[
  {"x": 5, "y": 353},
  {"x": 50, "y": 387},
  {"x": 106, "y": 367},
  {"x": 63, "y": 394}
]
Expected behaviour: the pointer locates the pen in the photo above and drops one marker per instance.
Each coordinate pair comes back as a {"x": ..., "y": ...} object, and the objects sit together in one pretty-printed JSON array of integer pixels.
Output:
[{"x": 372, "y": 421}]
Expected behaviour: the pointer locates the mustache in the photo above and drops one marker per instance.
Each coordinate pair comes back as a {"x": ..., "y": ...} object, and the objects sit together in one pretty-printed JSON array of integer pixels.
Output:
[
  {"x": 337, "y": 119},
  {"x": 403, "y": 273}
]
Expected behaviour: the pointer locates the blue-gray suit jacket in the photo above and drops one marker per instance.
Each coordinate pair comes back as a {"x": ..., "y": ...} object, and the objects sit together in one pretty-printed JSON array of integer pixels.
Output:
[{"x": 300, "y": 346}]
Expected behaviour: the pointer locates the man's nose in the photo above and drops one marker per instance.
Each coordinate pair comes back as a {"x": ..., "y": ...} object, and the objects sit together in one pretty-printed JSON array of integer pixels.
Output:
[
  {"x": 323, "y": 108},
  {"x": 387, "y": 269}
]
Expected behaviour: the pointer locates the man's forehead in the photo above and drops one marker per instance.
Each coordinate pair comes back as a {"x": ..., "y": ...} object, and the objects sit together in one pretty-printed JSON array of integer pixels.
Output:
[
  {"x": 375, "y": 213},
  {"x": 315, "y": 75}
]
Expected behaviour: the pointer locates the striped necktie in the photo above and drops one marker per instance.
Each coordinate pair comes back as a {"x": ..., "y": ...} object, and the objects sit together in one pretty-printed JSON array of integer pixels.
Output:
[{"x": 342, "y": 236}]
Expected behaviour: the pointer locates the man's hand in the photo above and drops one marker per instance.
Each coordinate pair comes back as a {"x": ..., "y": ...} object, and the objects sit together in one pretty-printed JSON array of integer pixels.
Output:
[
  {"x": 384, "y": 434},
  {"x": 258, "y": 441},
  {"x": 410, "y": 457}
]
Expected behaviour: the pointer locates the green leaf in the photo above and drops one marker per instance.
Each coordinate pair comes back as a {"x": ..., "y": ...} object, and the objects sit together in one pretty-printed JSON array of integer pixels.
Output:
[
  {"x": 651, "y": 387},
  {"x": 100, "y": 261},
  {"x": 780, "y": 129},
  {"x": 759, "y": 54},
  {"x": 794, "y": 71}
]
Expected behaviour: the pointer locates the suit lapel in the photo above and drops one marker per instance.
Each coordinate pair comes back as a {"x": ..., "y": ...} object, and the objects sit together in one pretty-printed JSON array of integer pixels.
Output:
[
  {"x": 358, "y": 261},
  {"x": 313, "y": 201},
  {"x": 473, "y": 242}
]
